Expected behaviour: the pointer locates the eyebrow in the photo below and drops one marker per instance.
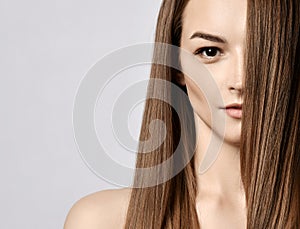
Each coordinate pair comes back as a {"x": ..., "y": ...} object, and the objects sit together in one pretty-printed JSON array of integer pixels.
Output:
[{"x": 208, "y": 37}]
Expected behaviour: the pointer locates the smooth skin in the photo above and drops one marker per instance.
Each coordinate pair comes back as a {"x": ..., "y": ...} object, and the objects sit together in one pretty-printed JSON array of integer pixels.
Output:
[
  {"x": 221, "y": 199},
  {"x": 103, "y": 209}
]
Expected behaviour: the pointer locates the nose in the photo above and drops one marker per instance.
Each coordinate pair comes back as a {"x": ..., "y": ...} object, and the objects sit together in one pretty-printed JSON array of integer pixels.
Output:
[
  {"x": 236, "y": 88},
  {"x": 237, "y": 75}
]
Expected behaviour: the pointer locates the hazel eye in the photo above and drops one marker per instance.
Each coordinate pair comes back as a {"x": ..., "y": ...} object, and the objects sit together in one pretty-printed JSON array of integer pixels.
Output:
[{"x": 208, "y": 52}]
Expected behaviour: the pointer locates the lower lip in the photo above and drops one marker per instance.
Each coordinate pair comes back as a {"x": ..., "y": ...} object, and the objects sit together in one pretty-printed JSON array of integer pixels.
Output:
[{"x": 234, "y": 112}]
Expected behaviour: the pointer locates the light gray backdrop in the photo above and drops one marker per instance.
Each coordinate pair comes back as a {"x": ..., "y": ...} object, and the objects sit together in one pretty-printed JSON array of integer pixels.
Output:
[{"x": 46, "y": 49}]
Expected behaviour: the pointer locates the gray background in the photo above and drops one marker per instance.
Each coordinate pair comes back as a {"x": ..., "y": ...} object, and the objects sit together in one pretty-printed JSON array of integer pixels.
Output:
[{"x": 46, "y": 49}]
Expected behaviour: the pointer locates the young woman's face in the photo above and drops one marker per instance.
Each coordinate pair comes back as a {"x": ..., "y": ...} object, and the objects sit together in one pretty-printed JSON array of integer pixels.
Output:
[{"x": 214, "y": 31}]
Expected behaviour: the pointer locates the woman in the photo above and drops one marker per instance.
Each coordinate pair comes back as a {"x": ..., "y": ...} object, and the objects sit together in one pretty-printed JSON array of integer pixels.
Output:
[{"x": 252, "y": 50}]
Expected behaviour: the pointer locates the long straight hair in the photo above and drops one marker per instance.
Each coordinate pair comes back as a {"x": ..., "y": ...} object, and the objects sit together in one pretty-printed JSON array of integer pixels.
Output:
[
  {"x": 270, "y": 138},
  {"x": 270, "y": 125}
]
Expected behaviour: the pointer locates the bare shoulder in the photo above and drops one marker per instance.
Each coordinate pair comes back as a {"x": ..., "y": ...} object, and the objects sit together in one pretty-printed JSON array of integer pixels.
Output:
[{"x": 103, "y": 209}]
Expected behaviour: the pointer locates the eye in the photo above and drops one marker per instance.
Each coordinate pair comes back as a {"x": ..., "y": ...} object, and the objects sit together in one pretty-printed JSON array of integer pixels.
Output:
[{"x": 208, "y": 52}]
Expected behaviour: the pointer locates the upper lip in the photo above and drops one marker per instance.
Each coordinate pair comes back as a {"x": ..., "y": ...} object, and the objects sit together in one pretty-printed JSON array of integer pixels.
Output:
[{"x": 234, "y": 105}]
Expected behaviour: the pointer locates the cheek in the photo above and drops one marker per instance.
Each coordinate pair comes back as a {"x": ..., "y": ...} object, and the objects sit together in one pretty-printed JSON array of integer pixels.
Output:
[{"x": 198, "y": 101}]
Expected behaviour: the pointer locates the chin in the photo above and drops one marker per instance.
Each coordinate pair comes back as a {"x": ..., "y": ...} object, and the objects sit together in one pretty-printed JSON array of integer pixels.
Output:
[
  {"x": 232, "y": 134},
  {"x": 233, "y": 140}
]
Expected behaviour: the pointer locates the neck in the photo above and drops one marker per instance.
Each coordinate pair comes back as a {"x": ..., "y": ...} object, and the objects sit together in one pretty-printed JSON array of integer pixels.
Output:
[{"x": 223, "y": 177}]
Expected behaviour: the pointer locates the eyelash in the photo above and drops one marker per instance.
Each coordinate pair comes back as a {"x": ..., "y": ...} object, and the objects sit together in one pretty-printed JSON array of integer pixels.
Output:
[{"x": 210, "y": 59}]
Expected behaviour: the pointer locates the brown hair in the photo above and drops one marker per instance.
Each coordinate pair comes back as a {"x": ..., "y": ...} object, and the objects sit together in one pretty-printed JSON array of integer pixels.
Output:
[
  {"x": 270, "y": 137},
  {"x": 270, "y": 130}
]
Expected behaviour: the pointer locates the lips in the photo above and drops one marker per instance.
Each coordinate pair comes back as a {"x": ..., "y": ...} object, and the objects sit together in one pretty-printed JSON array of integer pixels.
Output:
[
  {"x": 234, "y": 106},
  {"x": 234, "y": 110}
]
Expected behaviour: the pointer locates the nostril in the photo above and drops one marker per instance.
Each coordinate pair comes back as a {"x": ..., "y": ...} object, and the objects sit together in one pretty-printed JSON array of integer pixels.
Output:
[{"x": 234, "y": 90}]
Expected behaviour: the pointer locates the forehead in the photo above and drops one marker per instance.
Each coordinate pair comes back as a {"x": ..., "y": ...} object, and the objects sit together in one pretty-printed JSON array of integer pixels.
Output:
[{"x": 220, "y": 17}]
